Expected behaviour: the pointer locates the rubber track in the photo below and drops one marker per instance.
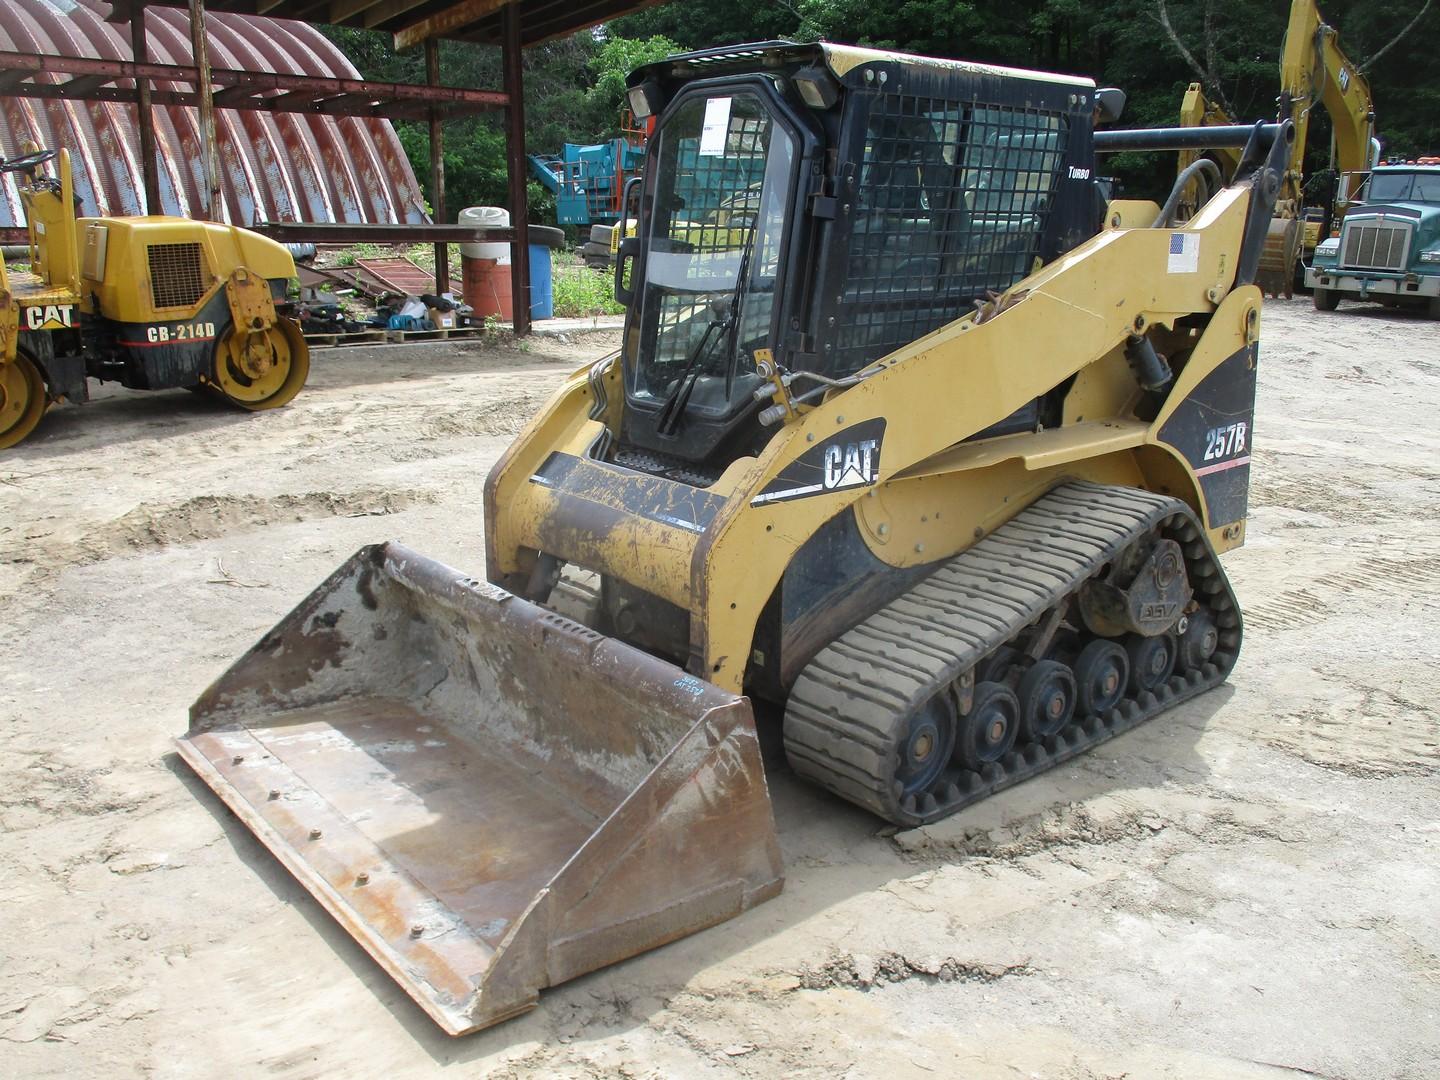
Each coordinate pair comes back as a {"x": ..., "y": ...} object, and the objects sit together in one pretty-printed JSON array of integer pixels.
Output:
[{"x": 851, "y": 699}]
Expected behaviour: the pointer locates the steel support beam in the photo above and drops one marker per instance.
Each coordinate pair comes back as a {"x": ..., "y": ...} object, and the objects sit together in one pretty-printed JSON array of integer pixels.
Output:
[
  {"x": 145, "y": 113},
  {"x": 514, "y": 78},
  {"x": 209, "y": 148},
  {"x": 437, "y": 170}
]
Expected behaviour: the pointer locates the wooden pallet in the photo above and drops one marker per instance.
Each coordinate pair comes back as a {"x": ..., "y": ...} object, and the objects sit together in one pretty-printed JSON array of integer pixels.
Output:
[
  {"x": 353, "y": 337},
  {"x": 400, "y": 337}
]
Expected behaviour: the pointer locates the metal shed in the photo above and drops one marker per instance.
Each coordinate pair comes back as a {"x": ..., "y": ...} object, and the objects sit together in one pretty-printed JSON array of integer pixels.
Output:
[{"x": 274, "y": 166}]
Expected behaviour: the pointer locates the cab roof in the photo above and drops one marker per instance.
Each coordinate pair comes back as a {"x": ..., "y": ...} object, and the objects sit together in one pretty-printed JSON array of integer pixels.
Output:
[{"x": 840, "y": 59}]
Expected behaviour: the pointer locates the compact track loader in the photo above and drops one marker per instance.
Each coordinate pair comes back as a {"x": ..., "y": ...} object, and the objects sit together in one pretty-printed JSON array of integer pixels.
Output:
[
  {"x": 153, "y": 303},
  {"x": 911, "y": 437}
]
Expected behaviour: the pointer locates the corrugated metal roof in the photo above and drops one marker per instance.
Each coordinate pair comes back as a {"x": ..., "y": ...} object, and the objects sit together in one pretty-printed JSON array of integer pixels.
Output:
[{"x": 274, "y": 166}]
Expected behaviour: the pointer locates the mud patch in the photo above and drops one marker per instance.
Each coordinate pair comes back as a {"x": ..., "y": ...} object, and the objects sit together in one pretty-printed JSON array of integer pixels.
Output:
[
  {"x": 861, "y": 972},
  {"x": 500, "y": 416},
  {"x": 207, "y": 517},
  {"x": 1056, "y": 827}
]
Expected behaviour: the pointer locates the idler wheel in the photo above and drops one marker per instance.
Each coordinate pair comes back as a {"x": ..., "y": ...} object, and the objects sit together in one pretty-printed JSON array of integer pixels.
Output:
[
  {"x": 1047, "y": 700},
  {"x": 987, "y": 732},
  {"x": 924, "y": 750},
  {"x": 1101, "y": 672},
  {"x": 1152, "y": 659},
  {"x": 1198, "y": 641}
]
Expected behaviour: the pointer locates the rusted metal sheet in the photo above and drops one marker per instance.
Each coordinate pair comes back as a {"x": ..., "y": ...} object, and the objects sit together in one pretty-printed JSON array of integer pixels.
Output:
[
  {"x": 490, "y": 798},
  {"x": 274, "y": 166}
]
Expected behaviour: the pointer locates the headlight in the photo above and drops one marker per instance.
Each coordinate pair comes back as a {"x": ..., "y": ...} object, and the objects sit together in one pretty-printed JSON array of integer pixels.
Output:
[
  {"x": 1430, "y": 256},
  {"x": 1329, "y": 246}
]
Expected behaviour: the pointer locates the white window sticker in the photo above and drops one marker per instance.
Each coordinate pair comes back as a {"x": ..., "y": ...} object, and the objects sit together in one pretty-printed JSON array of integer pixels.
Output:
[
  {"x": 717, "y": 127},
  {"x": 1184, "y": 253}
]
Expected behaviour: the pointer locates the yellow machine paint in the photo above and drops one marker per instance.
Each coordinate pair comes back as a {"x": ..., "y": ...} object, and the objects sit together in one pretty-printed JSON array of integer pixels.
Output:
[
  {"x": 945, "y": 503},
  {"x": 150, "y": 302}
]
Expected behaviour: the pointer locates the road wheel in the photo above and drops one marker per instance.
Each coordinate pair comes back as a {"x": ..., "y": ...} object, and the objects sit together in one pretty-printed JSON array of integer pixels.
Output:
[
  {"x": 22, "y": 399},
  {"x": 1101, "y": 672},
  {"x": 988, "y": 730},
  {"x": 1325, "y": 299},
  {"x": 1152, "y": 661},
  {"x": 1047, "y": 700},
  {"x": 261, "y": 371}
]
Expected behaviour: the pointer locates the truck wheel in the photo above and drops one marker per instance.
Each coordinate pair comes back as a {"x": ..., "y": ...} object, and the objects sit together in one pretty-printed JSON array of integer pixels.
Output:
[
  {"x": 1434, "y": 307},
  {"x": 1325, "y": 299}
]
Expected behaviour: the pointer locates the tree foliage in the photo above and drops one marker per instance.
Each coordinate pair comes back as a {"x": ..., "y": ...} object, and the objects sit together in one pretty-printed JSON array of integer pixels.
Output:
[{"x": 574, "y": 87}]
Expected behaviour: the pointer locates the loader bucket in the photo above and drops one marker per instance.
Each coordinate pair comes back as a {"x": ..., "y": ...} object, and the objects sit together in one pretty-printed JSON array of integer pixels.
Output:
[{"x": 489, "y": 797}]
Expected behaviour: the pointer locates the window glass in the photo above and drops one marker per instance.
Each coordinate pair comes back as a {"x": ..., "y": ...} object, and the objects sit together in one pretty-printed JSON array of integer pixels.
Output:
[{"x": 721, "y": 193}]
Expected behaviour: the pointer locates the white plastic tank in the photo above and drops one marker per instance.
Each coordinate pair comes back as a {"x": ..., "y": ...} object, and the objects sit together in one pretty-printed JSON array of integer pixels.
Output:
[{"x": 493, "y": 217}]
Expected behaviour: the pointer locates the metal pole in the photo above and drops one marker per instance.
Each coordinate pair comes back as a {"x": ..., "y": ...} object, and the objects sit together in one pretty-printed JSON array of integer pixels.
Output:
[
  {"x": 437, "y": 168},
  {"x": 515, "y": 155},
  {"x": 209, "y": 152},
  {"x": 149, "y": 163}
]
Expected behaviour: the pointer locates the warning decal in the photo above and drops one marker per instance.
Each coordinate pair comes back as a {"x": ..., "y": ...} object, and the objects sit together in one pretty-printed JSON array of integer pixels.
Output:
[{"x": 1184, "y": 253}]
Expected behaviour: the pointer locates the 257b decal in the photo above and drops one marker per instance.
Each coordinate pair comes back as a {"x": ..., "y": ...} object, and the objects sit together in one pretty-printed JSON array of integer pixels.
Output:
[
  {"x": 1224, "y": 448},
  {"x": 1222, "y": 442}
]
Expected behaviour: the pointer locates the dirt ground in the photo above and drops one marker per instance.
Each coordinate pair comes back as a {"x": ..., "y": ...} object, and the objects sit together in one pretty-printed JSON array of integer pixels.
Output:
[{"x": 1245, "y": 888}]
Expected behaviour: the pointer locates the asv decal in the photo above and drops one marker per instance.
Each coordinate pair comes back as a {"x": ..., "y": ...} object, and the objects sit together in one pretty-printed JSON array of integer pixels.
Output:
[
  {"x": 164, "y": 335},
  {"x": 849, "y": 459},
  {"x": 1222, "y": 445},
  {"x": 50, "y": 317}
]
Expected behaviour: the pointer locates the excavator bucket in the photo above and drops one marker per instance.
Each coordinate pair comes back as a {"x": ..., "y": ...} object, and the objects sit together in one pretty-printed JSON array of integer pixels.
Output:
[{"x": 490, "y": 798}]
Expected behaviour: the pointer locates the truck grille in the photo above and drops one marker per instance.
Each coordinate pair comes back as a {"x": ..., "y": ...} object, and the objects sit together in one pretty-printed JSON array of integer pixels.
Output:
[
  {"x": 1375, "y": 244},
  {"x": 177, "y": 275}
]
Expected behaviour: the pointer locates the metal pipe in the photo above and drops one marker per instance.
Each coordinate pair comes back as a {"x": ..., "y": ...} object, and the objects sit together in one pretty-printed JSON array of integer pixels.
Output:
[
  {"x": 1182, "y": 138},
  {"x": 515, "y": 153}
]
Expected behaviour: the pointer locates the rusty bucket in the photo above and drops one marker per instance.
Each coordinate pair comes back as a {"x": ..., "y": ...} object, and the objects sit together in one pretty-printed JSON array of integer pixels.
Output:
[{"x": 490, "y": 798}]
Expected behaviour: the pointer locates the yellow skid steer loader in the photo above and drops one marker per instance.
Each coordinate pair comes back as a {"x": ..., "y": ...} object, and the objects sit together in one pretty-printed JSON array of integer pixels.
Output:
[{"x": 931, "y": 449}]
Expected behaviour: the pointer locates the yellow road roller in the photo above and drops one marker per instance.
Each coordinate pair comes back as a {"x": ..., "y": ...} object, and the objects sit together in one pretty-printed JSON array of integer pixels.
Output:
[{"x": 152, "y": 303}]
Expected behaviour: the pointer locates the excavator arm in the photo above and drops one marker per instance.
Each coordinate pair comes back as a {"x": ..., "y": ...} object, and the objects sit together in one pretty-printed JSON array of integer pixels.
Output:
[{"x": 1313, "y": 68}]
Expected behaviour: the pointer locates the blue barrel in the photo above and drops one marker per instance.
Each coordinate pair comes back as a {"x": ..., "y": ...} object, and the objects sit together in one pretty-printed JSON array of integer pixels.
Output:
[{"x": 542, "y": 285}]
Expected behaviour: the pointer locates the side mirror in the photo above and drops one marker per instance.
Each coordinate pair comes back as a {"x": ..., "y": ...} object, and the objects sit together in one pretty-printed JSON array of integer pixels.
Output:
[{"x": 1109, "y": 104}]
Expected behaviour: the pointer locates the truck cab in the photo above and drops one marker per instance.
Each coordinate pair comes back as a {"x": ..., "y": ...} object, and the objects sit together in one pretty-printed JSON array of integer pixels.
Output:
[{"x": 1388, "y": 247}]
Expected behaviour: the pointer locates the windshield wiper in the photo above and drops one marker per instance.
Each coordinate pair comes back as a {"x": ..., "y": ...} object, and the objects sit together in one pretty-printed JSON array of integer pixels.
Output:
[
  {"x": 674, "y": 407},
  {"x": 675, "y": 401}
]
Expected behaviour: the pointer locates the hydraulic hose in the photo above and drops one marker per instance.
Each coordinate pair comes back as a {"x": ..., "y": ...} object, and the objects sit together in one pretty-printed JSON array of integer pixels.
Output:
[{"x": 1167, "y": 212}]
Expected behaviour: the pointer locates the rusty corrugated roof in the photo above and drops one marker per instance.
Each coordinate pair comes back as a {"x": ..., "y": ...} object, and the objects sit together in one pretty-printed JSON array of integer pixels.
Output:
[{"x": 274, "y": 166}]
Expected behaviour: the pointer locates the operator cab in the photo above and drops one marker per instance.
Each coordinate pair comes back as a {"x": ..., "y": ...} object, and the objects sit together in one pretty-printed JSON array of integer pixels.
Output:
[{"x": 828, "y": 204}]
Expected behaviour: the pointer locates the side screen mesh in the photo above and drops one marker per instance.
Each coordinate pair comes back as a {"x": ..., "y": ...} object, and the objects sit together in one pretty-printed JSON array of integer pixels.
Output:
[
  {"x": 953, "y": 200},
  {"x": 177, "y": 275}
]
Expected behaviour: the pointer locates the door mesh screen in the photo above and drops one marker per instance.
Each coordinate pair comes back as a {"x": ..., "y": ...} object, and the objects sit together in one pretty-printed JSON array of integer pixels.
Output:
[{"x": 953, "y": 200}]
